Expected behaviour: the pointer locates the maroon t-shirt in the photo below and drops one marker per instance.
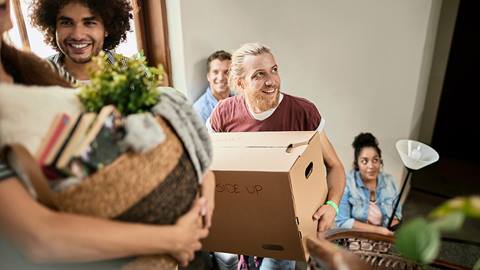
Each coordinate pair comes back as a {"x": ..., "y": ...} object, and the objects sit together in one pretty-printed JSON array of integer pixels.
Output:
[{"x": 292, "y": 114}]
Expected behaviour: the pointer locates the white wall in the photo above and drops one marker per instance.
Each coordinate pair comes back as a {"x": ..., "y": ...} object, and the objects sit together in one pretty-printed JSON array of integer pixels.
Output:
[{"x": 365, "y": 64}]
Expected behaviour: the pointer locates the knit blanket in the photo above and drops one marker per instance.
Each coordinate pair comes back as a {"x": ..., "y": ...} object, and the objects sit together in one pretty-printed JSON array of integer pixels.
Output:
[{"x": 175, "y": 108}]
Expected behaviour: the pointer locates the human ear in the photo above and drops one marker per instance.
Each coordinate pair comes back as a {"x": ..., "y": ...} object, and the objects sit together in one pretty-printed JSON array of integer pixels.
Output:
[{"x": 240, "y": 84}]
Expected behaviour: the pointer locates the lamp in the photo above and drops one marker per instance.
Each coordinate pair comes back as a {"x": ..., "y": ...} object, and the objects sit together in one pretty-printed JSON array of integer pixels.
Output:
[{"x": 415, "y": 155}]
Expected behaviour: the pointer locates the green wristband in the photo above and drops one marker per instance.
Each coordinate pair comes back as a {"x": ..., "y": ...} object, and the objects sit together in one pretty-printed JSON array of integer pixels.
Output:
[{"x": 334, "y": 205}]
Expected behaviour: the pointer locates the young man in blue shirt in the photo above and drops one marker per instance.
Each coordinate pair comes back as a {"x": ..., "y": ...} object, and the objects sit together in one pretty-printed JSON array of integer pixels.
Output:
[{"x": 218, "y": 64}]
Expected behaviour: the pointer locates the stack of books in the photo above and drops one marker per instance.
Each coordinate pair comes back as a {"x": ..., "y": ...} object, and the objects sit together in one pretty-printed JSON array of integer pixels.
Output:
[{"x": 78, "y": 145}]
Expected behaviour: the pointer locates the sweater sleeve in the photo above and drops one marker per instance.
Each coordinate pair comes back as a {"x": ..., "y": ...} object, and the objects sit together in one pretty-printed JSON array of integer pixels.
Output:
[{"x": 5, "y": 171}]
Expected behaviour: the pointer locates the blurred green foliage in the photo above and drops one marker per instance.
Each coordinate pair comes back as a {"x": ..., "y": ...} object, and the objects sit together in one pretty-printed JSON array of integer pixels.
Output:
[
  {"x": 129, "y": 84},
  {"x": 419, "y": 239}
]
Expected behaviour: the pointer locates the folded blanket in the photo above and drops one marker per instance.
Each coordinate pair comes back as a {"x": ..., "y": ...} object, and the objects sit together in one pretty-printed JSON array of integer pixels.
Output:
[{"x": 175, "y": 108}]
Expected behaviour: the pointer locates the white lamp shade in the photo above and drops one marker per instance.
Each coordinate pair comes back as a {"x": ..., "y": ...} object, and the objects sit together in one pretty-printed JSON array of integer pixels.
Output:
[{"x": 416, "y": 155}]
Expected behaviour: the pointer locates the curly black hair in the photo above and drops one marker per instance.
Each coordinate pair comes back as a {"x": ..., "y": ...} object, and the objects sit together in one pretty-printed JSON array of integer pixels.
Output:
[
  {"x": 115, "y": 14},
  {"x": 364, "y": 140}
]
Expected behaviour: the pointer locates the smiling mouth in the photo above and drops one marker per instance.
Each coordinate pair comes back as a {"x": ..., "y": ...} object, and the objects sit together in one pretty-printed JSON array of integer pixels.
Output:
[
  {"x": 270, "y": 91},
  {"x": 78, "y": 46}
]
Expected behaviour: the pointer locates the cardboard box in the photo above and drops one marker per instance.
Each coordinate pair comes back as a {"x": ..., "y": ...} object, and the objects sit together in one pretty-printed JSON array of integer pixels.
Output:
[{"x": 268, "y": 185}]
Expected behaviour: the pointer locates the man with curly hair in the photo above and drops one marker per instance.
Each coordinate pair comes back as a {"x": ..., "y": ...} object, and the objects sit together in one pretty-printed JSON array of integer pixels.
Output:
[{"x": 79, "y": 30}]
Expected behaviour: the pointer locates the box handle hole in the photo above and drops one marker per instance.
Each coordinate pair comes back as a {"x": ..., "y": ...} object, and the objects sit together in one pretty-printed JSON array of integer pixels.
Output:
[
  {"x": 309, "y": 170},
  {"x": 293, "y": 145},
  {"x": 289, "y": 148},
  {"x": 273, "y": 247}
]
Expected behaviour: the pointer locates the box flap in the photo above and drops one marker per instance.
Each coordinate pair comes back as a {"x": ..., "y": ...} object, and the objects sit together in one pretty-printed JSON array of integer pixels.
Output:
[
  {"x": 258, "y": 151},
  {"x": 309, "y": 186},
  {"x": 255, "y": 159},
  {"x": 260, "y": 139}
]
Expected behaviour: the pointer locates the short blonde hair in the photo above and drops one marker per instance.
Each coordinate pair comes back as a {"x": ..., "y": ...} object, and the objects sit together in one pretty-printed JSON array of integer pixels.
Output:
[{"x": 236, "y": 67}]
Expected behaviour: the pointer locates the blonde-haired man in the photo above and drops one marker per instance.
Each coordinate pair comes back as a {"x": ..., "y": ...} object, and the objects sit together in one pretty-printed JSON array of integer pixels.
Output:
[{"x": 262, "y": 107}]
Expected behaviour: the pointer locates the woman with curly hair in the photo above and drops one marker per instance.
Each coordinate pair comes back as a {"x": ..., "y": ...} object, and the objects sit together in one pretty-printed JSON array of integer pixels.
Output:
[
  {"x": 367, "y": 202},
  {"x": 80, "y": 29}
]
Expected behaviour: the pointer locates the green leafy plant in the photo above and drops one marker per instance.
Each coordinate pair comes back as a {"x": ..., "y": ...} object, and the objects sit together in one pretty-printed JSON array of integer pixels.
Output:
[
  {"x": 419, "y": 239},
  {"x": 129, "y": 84}
]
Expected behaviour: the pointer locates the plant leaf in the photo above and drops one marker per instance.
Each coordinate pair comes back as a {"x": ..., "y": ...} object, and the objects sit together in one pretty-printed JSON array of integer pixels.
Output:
[
  {"x": 451, "y": 222},
  {"x": 470, "y": 206},
  {"x": 477, "y": 265},
  {"x": 418, "y": 240}
]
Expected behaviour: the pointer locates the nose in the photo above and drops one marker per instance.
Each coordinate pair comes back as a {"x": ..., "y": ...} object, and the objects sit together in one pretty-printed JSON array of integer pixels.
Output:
[
  {"x": 268, "y": 82},
  {"x": 221, "y": 76},
  {"x": 77, "y": 32}
]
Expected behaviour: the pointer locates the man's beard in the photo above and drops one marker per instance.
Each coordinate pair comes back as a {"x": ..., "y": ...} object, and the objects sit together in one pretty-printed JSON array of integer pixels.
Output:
[
  {"x": 86, "y": 59},
  {"x": 81, "y": 60},
  {"x": 260, "y": 102}
]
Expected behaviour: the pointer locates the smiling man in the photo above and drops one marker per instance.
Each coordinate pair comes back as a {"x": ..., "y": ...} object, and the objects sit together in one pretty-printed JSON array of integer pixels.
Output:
[
  {"x": 218, "y": 64},
  {"x": 79, "y": 30},
  {"x": 263, "y": 107}
]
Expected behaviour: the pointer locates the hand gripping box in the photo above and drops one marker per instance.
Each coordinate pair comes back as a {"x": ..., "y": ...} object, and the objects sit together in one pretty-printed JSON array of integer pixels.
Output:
[{"x": 268, "y": 186}]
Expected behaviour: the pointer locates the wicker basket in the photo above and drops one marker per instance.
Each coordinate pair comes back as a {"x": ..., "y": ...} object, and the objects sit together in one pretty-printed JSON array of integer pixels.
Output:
[{"x": 155, "y": 187}]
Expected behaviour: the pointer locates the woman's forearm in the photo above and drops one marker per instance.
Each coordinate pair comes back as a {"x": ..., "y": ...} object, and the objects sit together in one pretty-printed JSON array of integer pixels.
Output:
[
  {"x": 370, "y": 228},
  {"x": 67, "y": 237},
  {"x": 44, "y": 235}
]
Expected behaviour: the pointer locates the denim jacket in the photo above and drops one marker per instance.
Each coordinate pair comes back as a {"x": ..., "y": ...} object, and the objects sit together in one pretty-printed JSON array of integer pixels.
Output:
[{"x": 356, "y": 198}]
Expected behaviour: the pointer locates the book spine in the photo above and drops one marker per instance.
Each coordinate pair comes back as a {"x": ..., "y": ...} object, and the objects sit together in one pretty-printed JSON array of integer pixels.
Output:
[
  {"x": 56, "y": 134},
  {"x": 69, "y": 136}
]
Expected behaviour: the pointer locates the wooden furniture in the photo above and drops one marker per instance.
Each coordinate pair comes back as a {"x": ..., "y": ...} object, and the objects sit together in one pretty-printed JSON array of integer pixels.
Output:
[
  {"x": 375, "y": 251},
  {"x": 326, "y": 255}
]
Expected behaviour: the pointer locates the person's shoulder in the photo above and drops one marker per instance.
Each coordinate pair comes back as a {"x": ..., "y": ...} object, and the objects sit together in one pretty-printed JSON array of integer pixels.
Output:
[
  {"x": 350, "y": 176},
  {"x": 300, "y": 101},
  {"x": 230, "y": 102},
  {"x": 350, "y": 182},
  {"x": 201, "y": 100},
  {"x": 304, "y": 109},
  {"x": 389, "y": 179},
  {"x": 55, "y": 58},
  {"x": 201, "y": 106},
  {"x": 227, "y": 109}
]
